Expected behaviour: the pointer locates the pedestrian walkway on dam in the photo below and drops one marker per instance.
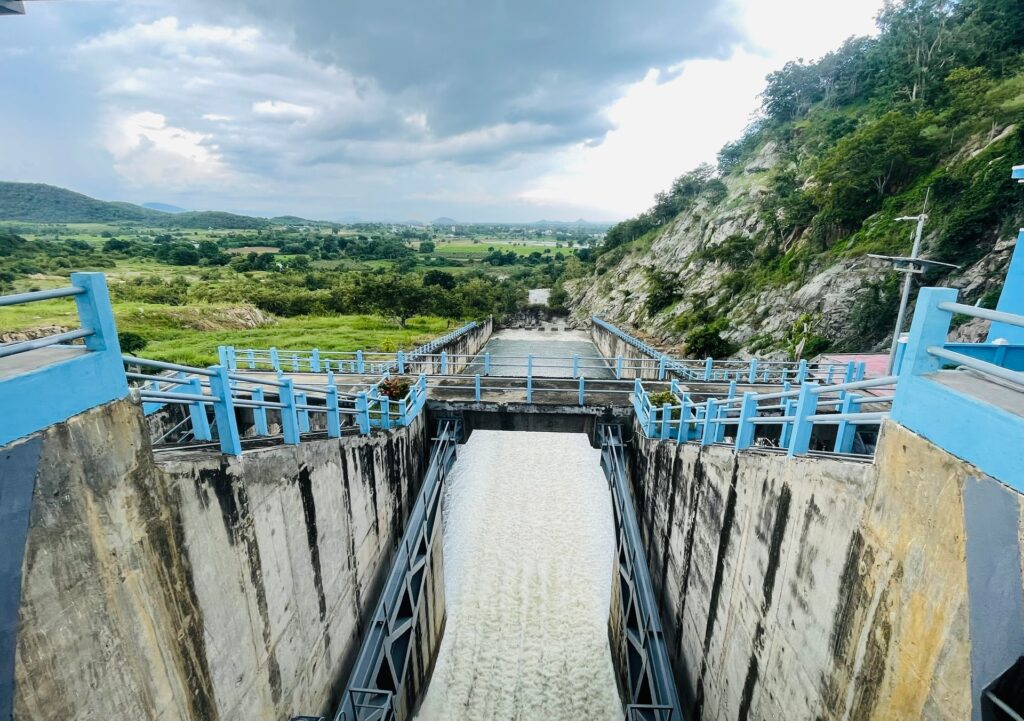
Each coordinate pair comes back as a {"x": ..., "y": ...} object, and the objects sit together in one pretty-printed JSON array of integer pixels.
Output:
[{"x": 551, "y": 352}]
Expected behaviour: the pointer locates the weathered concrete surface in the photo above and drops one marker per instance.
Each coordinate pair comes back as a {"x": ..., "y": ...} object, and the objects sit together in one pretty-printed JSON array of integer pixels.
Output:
[
  {"x": 460, "y": 351},
  {"x": 196, "y": 588},
  {"x": 611, "y": 346},
  {"x": 812, "y": 588}
]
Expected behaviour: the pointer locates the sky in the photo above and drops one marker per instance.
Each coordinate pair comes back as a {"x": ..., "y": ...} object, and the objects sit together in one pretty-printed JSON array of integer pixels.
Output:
[{"x": 494, "y": 110}]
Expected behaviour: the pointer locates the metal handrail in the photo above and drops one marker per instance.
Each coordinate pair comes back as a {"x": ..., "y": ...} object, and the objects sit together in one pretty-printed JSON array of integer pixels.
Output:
[{"x": 37, "y": 295}]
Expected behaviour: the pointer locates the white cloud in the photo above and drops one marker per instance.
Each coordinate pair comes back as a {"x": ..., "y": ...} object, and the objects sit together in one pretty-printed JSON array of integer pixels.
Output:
[
  {"x": 663, "y": 129},
  {"x": 150, "y": 153},
  {"x": 282, "y": 109}
]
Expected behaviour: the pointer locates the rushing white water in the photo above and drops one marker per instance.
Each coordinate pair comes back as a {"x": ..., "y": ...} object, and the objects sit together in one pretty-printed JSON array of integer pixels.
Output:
[{"x": 528, "y": 553}]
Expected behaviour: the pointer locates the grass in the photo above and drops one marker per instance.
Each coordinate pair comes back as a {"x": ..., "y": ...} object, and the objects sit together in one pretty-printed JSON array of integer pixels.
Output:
[
  {"x": 464, "y": 248},
  {"x": 191, "y": 334}
]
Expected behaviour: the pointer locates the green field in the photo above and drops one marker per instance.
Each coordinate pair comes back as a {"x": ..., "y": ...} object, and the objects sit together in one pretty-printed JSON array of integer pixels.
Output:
[
  {"x": 191, "y": 334},
  {"x": 467, "y": 248}
]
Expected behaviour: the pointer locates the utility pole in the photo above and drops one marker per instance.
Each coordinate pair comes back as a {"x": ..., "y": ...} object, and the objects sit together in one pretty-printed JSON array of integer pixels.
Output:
[{"x": 910, "y": 266}]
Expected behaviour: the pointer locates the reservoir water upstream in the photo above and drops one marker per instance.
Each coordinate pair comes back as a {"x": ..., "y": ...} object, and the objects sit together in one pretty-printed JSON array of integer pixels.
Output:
[{"x": 528, "y": 554}]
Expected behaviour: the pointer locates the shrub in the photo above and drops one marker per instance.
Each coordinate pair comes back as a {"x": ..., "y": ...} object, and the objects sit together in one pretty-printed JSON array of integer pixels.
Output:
[{"x": 395, "y": 387}]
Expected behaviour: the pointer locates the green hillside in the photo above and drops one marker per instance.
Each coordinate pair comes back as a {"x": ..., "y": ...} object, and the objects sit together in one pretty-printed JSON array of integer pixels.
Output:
[
  {"x": 40, "y": 203},
  {"x": 843, "y": 147}
]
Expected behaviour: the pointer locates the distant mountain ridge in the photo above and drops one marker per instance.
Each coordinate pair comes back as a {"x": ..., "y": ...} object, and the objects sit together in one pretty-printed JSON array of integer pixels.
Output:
[
  {"x": 164, "y": 207},
  {"x": 41, "y": 203}
]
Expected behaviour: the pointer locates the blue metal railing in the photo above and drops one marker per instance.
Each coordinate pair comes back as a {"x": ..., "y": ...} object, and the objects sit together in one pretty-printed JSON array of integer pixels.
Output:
[
  {"x": 37, "y": 376},
  {"x": 360, "y": 362},
  {"x": 794, "y": 412},
  {"x": 200, "y": 390},
  {"x": 379, "y": 685},
  {"x": 752, "y": 371},
  {"x": 641, "y": 650},
  {"x": 967, "y": 400}
]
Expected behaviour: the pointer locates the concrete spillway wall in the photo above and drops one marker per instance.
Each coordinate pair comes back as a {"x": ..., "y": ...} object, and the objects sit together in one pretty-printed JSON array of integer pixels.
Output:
[
  {"x": 822, "y": 588},
  {"x": 460, "y": 351},
  {"x": 198, "y": 587},
  {"x": 636, "y": 363}
]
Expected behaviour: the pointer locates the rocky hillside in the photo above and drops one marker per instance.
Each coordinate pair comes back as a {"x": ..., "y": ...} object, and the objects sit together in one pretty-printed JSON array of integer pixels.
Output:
[{"x": 768, "y": 252}]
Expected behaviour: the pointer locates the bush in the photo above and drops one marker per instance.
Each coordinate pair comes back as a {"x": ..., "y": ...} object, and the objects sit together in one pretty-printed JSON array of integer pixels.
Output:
[
  {"x": 131, "y": 342},
  {"x": 395, "y": 387},
  {"x": 706, "y": 341}
]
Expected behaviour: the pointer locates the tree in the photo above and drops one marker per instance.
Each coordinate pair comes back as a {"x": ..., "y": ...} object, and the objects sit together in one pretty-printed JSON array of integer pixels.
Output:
[{"x": 427, "y": 246}]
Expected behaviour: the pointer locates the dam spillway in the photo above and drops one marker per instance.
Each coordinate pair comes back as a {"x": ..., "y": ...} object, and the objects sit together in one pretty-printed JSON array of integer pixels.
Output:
[{"x": 528, "y": 550}]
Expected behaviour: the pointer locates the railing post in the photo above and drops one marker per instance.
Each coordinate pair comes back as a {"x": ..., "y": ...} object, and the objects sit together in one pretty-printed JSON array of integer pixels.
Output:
[
  {"x": 476, "y": 387},
  {"x": 529, "y": 378},
  {"x": 806, "y": 406},
  {"x": 300, "y": 400},
  {"x": 259, "y": 414},
  {"x": 745, "y": 428},
  {"x": 752, "y": 375},
  {"x": 575, "y": 365},
  {"x": 661, "y": 367},
  {"x": 401, "y": 362},
  {"x": 801, "y": 374},
  {"x": 846, "y": 432},
  {"x": 314, "y": 360},
  {"x": 289, "y": 416},
  {"x": 652, "y": 418},
  {"x": 711, "y": 412},
  {"x": 708, "y": 364},
  {"x": 360, "y": 365},
  {"x": 224, "y": 412},
  {"x": 333, "y": 408},
  {"x": 275, "y": 359},
  {"x": 222, "y": 356},
  {"x": 618, "y": 367},
  {"x": 683, "y": 432},
  {"x": 582, "y": 389},
  {"x": 720, "y": 434},
  {"x": 251, "y": 356},
  {"x": 422, "y": 399},
  {"x": 385, "y": 412},
  {"x": 929, "y": 327},
  {"x": 444, "y": 363},
  {"x": 487, "y": 363},
  {"x": 862, "y": 368},
  {"x": 197, "y": 411},
  {"x": 666, "y": 420},
  {"x": 363, "y": 413}
]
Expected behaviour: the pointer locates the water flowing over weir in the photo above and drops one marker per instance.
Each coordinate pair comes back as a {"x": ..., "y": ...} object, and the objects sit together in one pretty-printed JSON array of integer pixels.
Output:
[{"x": 529, "y": 551}]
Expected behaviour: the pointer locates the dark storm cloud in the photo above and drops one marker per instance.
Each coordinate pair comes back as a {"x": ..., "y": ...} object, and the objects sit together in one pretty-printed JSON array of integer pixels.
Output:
[{"x": 472, "y": 64}]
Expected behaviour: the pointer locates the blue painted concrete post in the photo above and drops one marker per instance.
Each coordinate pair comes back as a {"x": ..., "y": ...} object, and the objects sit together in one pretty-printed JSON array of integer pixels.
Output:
[
  {"x": 673, "y": 387},
  {"x": 300, "y": 400},
  {"x": 708, "y": 436},
  {"x": 575, "y": 365},
  {"x": 929, "y": 327},
  {"x": 444, "y": 363},
  {"x": 232, "y": 358},
  {"x": 222, "y": 356},
  {"x": 401, "y": 362},
  {"x": 422, "y": 396},
  {"x": 683, "y": 432},
  {"x": 831, "y": 372},
  {"x": 851, "y": 372},
  {"x": 333, "y": 408},
  {"x": 259, "y": 414},
  {"x": 745, "y": 429},
  {"x": 661, "y": 368},
  {"x": 752, "y": 376},
  {"x": 251, "y": 356},
  {"x": 529, "y": 378},
  {"x": 224, "y": 412},
  {"x": 275, "y": 359},
  {"x": 618, "y": 367},
  {"x": 806, "y": 406},
  {"x": 666, "y": 421},
  {"x": 487, "y": 363},
  {"x": 385, "y": 412},
  {"x": 862, "y": 369},
  {"x": 801, "y": 374},
  {"x": 787, "y": 410},
  {"x": 476, "y": 387},
  {"x": 360, "y": 365},
  {"x": 197, "y": 411},
  {"x": 295, "y": 363},
  {"x": 652, "y": 419},
  {"x": 289, "y": 418},
  {"x": 708, "y": 365},
  {"x": 1011, "y": 299},
  {"x": 314, "y": 360},
  {"x": 720, "y": 433},
  {"x": 582, "y": 389},
  {"x": 846, "y": 431}
]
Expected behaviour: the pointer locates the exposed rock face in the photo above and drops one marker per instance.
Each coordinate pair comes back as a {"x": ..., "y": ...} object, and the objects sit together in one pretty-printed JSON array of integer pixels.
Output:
[{"x": 760, "y": 318}]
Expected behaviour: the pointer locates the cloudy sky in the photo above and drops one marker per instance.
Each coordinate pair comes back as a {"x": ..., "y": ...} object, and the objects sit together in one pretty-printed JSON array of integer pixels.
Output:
[{"x": 480, "y": 110}]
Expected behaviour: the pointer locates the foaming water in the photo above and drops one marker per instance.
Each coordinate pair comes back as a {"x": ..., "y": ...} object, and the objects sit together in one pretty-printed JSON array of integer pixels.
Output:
[{"x": 528, "y": 552}]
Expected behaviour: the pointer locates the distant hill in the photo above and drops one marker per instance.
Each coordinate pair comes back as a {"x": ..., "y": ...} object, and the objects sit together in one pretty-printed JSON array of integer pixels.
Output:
[
  {"x": 444, "y": 221},
  {"x": 40, "y": 203},
  {"x": 164, "y": 207}
]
